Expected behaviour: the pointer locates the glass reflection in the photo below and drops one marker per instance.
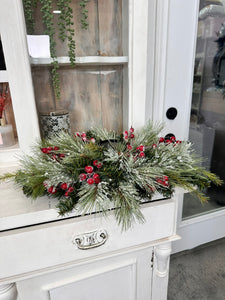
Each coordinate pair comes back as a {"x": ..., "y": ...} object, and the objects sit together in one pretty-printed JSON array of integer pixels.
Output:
[
  {"x": 207, "y": 122},
  {"x": 2, "y": 59}
]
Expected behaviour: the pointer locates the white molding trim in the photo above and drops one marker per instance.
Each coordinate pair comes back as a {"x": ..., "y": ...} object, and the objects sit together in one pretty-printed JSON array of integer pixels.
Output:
[
  {"x": 200, "y": 231},
  {"x": 85, "y": 60},
  {"x": 137, "y": 73},
  {"x": 161, "y": 37},
  {"x": 13, "y": 36}
]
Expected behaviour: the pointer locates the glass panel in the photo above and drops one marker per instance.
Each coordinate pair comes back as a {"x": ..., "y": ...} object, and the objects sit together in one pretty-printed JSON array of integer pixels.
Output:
[
  {"x": 8, "y": 133},
  {"x": 92, "y": 95},
  {"x": 207, "y": 123},
  {"x": 104, "y": 33},
  {"x": 2, "y": 59}
]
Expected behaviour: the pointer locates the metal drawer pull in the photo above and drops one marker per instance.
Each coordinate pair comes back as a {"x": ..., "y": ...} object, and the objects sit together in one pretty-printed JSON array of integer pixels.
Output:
[{"x": 91, "y": 239}]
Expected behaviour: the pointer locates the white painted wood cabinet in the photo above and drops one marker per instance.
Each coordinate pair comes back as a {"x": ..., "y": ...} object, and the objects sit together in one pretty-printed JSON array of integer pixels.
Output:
[{"x": 45, "y": 261}]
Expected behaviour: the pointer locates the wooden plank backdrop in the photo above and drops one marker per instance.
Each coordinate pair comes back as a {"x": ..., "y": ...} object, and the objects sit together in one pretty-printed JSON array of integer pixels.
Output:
[
  {"x": 104, "y": 33},
  {"x": 92, "y": 95}
]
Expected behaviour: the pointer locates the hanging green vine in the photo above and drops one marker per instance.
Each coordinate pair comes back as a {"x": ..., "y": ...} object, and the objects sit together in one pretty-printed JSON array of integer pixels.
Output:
[
  {"x": 64, "y": 28},
  {"x": 29, "y": 6},
  {"x": 66, "y": 31},
  {"x": 84, "y": 13}
]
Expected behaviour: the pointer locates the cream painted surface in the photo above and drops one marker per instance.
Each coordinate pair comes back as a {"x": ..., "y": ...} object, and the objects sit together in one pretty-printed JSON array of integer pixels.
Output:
[
  {"x": 182, "y": 18},
  {"x": 42, "y": 260}
]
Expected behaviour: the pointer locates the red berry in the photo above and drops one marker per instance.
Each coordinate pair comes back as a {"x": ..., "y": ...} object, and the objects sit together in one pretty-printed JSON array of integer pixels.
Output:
[
  {"x": 160, "y": 181},
  {"x": 95, "y": 162},
  {"x": 129, "y": 147},
  {"x": 61, "y": 155},
  {"x": 161, "y": 140},
  {"x": 168, "y": 141},
  {"x": 90, "y": 181},
  {"x": 154, "y": 146},
  {"x": 44, "y": 150},
  {"x": 125, "y": 133},
  {"x": 166, "y": 178},
  {"x": 173, "y": 138},
  {"x": 64, "y": 186},
  {"x": 131, "y": 129},
  {"x": 92, "y": 140},
  {"x": 99, "y": 166},
  {"x": 66, "y": 194},
  {"x": 178, "y": 142},
  {"x": 126, "y": 137},
  {"x": 83, "y": 135},
  {"x": 56, "y": 148},
  {"x": 131, "y": 135},
  {"x": 83, "y": 176},
  {"x": 70, "y": 189},
  {"x": 141, "y": 154},
  {"x": 95, "y": 176},
  {"x": 89, "y": 169},
  {"x": 78, "y": 134},
  {"x": 52, "y": 190},
  {"x": 97, "y": 180},
  {"x": 141, "y": 148}
]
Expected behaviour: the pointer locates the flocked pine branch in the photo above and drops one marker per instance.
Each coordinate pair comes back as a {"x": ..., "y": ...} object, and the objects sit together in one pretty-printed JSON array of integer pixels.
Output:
[{"x": 101, "y": 170}]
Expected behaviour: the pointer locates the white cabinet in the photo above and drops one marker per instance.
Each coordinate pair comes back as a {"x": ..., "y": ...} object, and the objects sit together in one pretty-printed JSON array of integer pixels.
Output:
[{"x": 46, "y": 262}]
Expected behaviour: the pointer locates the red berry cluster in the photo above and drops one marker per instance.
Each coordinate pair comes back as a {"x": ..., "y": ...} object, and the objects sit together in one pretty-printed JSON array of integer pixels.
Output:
[
  {"x": 62, "y": 186},
  {"x": 51, "y": 151},
  {"x": 163, "y": 180},
  {"x": 128, "y": 135},
  {"x": 90, "y": 177},
  {"x": 171, "y": 140},
  {"x": 84, "y": 138},
  {"x": 141, "y": 150}
]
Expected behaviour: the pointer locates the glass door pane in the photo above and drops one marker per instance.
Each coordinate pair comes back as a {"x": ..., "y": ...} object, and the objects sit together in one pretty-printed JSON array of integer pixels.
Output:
[
  {"x": 207, "y": 120},
  {"x": 8, "y": 132},
  {"x": 92, "y": 93}
]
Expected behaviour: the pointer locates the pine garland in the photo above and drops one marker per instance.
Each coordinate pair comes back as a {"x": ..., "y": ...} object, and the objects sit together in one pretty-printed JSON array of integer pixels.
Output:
[{"x": 101, "y": 171}]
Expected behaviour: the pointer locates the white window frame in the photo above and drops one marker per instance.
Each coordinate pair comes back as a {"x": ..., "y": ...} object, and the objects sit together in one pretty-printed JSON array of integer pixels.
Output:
[{"x": 18, "y": 75}]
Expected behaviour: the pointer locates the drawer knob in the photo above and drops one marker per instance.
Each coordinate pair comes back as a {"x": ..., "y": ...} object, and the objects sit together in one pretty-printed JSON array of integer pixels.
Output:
[{"x": 91, "y": 239}]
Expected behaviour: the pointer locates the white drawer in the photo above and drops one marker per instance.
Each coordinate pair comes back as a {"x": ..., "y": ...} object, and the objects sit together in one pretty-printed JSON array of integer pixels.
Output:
[{"x": 49, "y": 245}]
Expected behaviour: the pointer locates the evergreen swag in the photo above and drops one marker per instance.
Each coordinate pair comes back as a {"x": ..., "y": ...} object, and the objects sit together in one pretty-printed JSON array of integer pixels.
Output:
[{"x": 100, "y": 170}]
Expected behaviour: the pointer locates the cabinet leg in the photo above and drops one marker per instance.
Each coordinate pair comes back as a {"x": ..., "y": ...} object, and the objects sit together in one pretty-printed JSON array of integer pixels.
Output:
[
  {"x": 8, "y": 292},
  {"x": 161, "y": 271}
]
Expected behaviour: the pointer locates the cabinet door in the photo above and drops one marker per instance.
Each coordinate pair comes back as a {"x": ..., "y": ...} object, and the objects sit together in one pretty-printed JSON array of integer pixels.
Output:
[
  {"x": 194, "y": 87},
  {"x": 125, "y": 276}
]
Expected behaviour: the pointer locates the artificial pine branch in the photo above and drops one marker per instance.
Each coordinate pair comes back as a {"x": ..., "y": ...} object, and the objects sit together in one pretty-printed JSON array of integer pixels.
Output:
[{"x": 102, "y": 170}]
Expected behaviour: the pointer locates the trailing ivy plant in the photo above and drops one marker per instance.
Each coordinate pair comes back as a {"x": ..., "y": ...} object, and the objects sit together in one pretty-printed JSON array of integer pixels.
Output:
[{"x": 64, "y": 28}]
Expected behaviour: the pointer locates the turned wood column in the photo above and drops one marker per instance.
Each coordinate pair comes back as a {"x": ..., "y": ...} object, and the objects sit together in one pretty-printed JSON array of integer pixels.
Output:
[
  {"x": 8, "y": 292},
  {"x": 161, "y": 271}
]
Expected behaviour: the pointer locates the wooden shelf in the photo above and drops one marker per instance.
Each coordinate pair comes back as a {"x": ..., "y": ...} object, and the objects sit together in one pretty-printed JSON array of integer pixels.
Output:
[
  {"x": 85, "y": 60},
  {"x": 3, "y": 76}
]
